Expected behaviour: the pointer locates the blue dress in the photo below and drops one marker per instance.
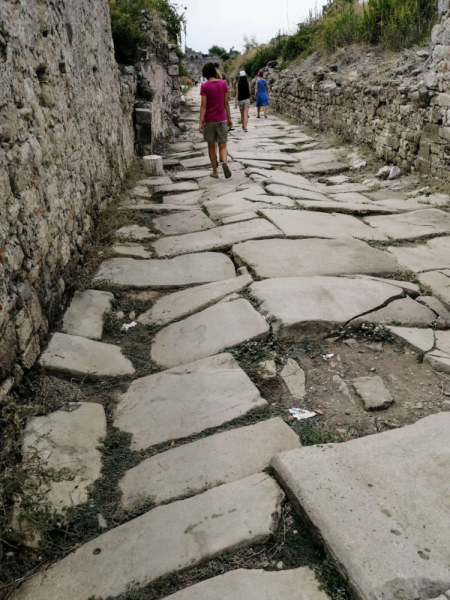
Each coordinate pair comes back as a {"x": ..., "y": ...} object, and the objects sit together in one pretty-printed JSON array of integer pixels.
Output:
[{"x": 262, "y": 99}]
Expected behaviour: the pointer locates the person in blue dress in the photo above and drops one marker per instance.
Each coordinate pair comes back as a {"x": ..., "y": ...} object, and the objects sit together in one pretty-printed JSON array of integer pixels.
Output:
[{"x": 262, "y": 97}]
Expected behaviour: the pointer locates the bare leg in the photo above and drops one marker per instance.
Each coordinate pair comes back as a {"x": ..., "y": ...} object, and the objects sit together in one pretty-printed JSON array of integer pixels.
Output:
[
  {"x": 265, "y": 112},
  {"x": 223, "y": 153},
  {"x": 243, "y": 117},
  {"x": 212, "y": 150},
  {"x": 246, "y": 117},
  {"x": 259, "y": 112}
]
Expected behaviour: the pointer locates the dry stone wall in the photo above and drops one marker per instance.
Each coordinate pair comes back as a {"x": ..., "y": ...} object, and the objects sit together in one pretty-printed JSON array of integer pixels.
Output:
[
  {"x": 400, "y": 106},
  {"x": 68, "y": 131}
]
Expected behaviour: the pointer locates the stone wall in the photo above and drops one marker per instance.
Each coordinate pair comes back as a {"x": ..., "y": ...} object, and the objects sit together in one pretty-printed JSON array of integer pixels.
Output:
[
  {"x": 398, "y": 105},
  {"x": 194, "y": 62},
  {"x": 67, "y": 136}
]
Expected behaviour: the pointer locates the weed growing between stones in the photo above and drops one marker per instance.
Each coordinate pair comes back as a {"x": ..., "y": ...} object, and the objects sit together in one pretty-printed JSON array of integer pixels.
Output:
[{"x": 291, "y": 547}]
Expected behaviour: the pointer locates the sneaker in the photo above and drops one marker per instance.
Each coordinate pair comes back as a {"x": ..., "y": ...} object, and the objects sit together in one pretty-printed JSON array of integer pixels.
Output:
[{"x": 226, "y": 170}]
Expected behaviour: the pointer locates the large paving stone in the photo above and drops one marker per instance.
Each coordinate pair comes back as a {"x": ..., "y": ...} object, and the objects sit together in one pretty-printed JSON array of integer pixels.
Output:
[
  {"x": 248, "y": 216},
  {"x": 404, "y": 312},
  {"x": 66, "y": 444},
  {"x": 223, "y": 208},
  {"x": 307, "y": 224},
  {"x": 435, "y": 254},
  {"x": 186, "y": 400},
  {"x": 216, "y": 328},
  {"x": 380, "y": 505},
  {"x": 184, "y": 186},
  {"x": 135, "y": 232},
  {"x": 293, "y": 584},
  {"x": 165, "y": 540},
  {"x": 183, "y": 199},
  {"x": 178, "y": 272},
  {"x": 439, "y": 282},
  {"x": 420, "y": 340},
  {"x": 416, "y": 224},
  {"x": 346, "y": 208},
  {"x": 196, "y": 163},
  {"x": 320, "y": 161},
  {"x": 183, "y": 222},
  {"x": 305, "y": 306},
  {"x": 207, "y": 463},
  {"x": 194, "y": 174},
  {"x": 274, "y": 157},
  {"x": 81, "y": 358},
  {"x": 217, "y": 238},
  {"x": 84, "y": 317},
  {"x": 131, "y": 249},
  {"x": 304, "y": 258},
  {"x": 185, "y": 303},
  {"x": 272, "y": 200},
  {"x": 285, "y": 179},
  {"x": 294, "y": 193}
]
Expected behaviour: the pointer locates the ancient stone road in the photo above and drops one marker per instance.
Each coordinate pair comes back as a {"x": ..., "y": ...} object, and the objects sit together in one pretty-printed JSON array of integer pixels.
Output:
[{"x": 295, "y": 245}]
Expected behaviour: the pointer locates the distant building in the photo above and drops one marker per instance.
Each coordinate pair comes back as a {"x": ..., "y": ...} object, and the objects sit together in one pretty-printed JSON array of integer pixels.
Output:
[{"x": 194, "y": 61}]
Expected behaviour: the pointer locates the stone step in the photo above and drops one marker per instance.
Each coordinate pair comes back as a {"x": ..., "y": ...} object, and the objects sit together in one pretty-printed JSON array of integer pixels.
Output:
[
  {"x": 305, "y": 258},
  {"x": 186, "y": 400},
  {"x": 369, "y": 500},
  {"x": 184, "y": 303},
  {"x": 165, "y": 540},
  {"x": 166, "y": 274},
  {"x": 216, "y": 328},
  {"x": 207, "y": 463},
  {"x": 217, "y": 238},
  {"x": 242, "y": 584},
  {"x": 84, "y": 317},
  {"x": 80, "y": 358}
]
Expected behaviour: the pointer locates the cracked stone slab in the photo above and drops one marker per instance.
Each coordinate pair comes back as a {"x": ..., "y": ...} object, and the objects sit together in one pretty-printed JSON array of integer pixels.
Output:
[
  {"x": 154, "y": 208},
  {"x": 151, "y": 182},
  {"x": 411, "y": 289},
  {"x": 390, "y": 480},
  {"x": 237, "y": 218},
  {"x": 216, "y": 328},
  {"x": 437, "y": 307},
  {"x": 194, "y": 174},
  {"x": 305, "y": 258},
  {"x": 294, "y": 377},
  {"x": 186, "y": 302},
  {"x": 185, "y": 186},
  {"x": 83, "y": 358},
  {"x": 320, "y": 161},
  {"x": 294, "y": 193},
  {"x": 196, "y": 163},
  {"x": 193, "y": 468},
  {"x": 345, "y": 208},
  {"x": 285, "y": 179},
  {"x": 351, "y": 198},
  {"x": 66, "y": 443},
  {"x": 405, "y": 312},
  {"x": 272, "y": 200},
  {"x": 192, "y": 269},
  {"x": 135, "y": 232},
  {"x": 420, "y": 340},
  {"x": 217, "y": 238},
  {"x": 84, "y": 317},
  {"x": 433, "y": 255},
  {"x": 373, "y": 392},
  {"x": 416, "y": 224},
  {"x": 185, "y": 222},
  {"x": 163, "y": 541},
  {"x": 305, "y": 306},
  {"x": 186, "y": 400},
  {"x": 274, "y": 157},
  {"x": 242, "y": 584},
  {"x": 184, "y": 199},
  {"x": 401, "y": 205},
  {"x": 223, "y": 208},
  {"x": 439, "y": 282},
  {"x": 136, "y": 250},
  {"x": 307, "y": 224}
]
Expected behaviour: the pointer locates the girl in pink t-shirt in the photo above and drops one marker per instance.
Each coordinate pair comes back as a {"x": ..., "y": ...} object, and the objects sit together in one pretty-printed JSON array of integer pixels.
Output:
[{"x": 215, "y": 117}]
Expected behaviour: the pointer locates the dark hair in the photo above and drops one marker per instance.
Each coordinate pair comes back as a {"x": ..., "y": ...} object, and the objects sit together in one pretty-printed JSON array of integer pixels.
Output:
[
  {"x": 216, "y": 65},
  {"x": 260, "y": 73},
  {"x": 209, "y": 70},
  {"x": 243, "y": 90}
]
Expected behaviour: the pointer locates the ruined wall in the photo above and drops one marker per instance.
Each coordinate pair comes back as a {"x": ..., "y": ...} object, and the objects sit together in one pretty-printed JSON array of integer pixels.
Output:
[
  {"x": 67, "y": 136},
  {"x": 399, "y": 105}
]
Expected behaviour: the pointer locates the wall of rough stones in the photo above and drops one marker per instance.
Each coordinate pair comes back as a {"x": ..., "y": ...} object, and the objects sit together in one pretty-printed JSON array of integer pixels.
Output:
[
  {"x": 68, "y": 131},
  {"x": 400, "y": 106}
]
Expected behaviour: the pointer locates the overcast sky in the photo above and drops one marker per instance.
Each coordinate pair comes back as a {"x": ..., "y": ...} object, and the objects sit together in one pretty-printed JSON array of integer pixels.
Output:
[{"x": 225, "y": 22}]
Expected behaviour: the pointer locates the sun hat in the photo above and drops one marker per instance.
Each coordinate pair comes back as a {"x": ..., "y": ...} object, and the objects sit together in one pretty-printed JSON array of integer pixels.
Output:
[{"x": 242, "y": 74}]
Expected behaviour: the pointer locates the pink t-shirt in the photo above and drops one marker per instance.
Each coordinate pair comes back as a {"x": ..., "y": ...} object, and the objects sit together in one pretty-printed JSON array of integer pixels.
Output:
[{"x": 215, "y": 92}]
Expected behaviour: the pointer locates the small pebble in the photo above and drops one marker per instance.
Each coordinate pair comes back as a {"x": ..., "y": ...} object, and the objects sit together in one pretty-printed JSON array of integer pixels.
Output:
[
  {"x": 119, "y": 315},
  {"x": 132, "y": 315},
  {"x": 279, "y": 565}
]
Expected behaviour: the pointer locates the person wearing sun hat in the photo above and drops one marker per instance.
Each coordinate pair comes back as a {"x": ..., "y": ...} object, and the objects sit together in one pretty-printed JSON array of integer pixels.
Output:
[{"x": 243, "y": 98}]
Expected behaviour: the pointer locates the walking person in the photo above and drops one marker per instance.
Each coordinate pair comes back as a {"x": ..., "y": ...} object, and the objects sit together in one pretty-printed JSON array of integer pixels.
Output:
[
  {"x": 262, "y": 97},
  {"x": 243, "y": 98},
  {"x": 215, "y": 117}
]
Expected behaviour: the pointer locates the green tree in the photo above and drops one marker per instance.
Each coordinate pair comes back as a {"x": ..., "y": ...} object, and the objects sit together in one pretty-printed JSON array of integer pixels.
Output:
[{"x": 217, "y": 51}]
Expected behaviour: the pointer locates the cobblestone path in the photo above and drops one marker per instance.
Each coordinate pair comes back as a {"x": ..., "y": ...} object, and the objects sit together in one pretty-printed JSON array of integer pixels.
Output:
[{"x": 295, "y": 246}]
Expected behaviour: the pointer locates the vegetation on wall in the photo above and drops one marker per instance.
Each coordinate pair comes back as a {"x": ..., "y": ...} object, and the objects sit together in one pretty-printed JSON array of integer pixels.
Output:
[
  {"x": 389, "y": 24},
  {"x": 222, "y": 53},
  {"x": 125, "y": 23}
]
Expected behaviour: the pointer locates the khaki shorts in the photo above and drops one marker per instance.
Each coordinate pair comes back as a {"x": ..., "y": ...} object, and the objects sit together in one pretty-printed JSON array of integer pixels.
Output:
[{"x": 215, "y": 132}]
